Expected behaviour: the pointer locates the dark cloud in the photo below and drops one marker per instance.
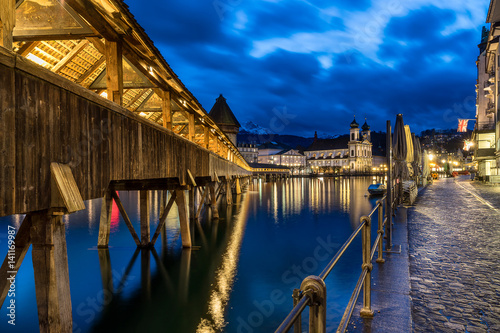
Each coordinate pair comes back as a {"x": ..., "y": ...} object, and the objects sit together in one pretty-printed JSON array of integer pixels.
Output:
[
  {"x": 288, "y": 17},
  {"x": 178, "y": 22},
  {"x": 420, "y": 25}
]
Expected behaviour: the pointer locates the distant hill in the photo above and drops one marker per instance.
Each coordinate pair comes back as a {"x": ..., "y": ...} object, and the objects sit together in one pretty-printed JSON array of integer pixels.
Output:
[
  {"x": 254, "y": 133},
  {"x": 290, "y": 140}
]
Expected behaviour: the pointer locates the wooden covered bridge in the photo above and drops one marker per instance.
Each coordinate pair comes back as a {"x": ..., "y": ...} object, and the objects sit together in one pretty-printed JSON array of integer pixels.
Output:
[{"x": 88, "y": 107}]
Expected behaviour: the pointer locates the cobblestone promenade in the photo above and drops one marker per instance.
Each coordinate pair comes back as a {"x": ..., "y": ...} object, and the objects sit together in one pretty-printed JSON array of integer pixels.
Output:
[{"x": 454, "y": 248}]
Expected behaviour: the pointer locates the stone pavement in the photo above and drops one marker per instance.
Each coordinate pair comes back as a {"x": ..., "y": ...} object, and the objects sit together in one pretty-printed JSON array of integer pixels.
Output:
[
  {"x": 451, "y": 282},
  {"x": 454, "y": 247}
]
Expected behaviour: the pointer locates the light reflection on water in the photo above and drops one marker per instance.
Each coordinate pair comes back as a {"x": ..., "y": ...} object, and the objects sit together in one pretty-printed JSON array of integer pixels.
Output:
[{"x": 269, "y": 234}]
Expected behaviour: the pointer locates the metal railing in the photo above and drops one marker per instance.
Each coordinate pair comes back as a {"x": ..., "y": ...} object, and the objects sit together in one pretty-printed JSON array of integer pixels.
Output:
[{"x": 312, "y": 291}]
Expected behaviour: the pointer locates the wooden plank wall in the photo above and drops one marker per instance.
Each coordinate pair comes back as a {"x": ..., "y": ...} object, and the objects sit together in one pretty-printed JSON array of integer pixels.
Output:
[{"x": 45, "y": 118}]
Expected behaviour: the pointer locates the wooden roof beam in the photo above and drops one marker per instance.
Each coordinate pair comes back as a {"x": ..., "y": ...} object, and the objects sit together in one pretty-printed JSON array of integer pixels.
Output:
[
  {"x": 139, "y": 95},
  {"x": 64, "y": 61},
  {"x": 88, "y": 11},
  {"x": 7, "y": 23},
  {"x": 41, "y": 38},
  {"x": 98, "y": 44},
  {"x": 91, "y": 71},
  {"x": 27, "y": 48}
]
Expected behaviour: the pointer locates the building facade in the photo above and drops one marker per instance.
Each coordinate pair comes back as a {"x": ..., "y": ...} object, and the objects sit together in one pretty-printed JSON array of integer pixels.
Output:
[
  {"x": 486, "y": 130},
  {"x": 280, "y": 154},
  {"x": 346, "y": 154},
  {"x": 289, "y": 157},
  {"x": 249, "y": 151}
]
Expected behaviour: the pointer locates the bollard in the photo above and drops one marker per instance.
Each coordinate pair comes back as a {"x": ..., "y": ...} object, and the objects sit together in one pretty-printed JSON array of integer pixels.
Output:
[
  {"x": 380, "y": 231},
  {"x": 366, "y": 311},
  {"x": 317, "y": 310}
]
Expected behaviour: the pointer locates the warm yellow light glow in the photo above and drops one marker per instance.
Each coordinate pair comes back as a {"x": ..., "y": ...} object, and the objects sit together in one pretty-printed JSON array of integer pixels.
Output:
[
  {"x": 225, "y": 275},
  {"x": 104, "y": 94},
  {"x": 442, "y": 161},
  {"x": 37, "y": 60},
  {"x": 431, "y": 157},
  {"x": 142, "y": 114}
]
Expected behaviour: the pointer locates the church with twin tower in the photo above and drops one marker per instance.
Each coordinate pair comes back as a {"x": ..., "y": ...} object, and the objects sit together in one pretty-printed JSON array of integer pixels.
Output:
[{"x": 352, "y": 154}]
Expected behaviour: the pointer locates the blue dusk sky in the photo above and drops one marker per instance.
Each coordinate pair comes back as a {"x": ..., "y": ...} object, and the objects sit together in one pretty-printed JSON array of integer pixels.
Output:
[{"x": 298, "y": 66}]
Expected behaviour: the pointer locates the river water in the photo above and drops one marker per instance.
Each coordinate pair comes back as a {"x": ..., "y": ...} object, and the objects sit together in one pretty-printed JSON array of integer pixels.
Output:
[{"x": 239, "y": 278}]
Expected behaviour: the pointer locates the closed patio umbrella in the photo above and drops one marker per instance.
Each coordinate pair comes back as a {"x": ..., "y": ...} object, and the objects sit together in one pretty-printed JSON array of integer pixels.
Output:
[
  {"x": 417, "y": 156},
  {"x": 399, "y": 149},
  {"x": 426, "y": 170},
  {"x": 409, "y": 151}
]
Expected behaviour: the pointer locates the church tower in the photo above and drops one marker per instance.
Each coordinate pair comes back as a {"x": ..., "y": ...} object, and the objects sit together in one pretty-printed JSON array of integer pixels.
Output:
[
  {"x": 224, "y": 118},
  {"x": 353, "y": 145},
  {"x": 365, "y": 131},
  {"x": 354, "y": 132}
]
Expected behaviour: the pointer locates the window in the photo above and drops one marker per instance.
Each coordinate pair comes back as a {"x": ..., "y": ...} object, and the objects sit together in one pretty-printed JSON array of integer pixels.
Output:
[
  {"x": 352, "y": 152},
  {"x": 352, "y": 136}
]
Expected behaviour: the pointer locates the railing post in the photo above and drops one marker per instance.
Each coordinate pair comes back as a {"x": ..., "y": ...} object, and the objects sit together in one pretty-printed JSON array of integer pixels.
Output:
[
  {"x": 297, "y": 327},
  {"x": 317, "y": 308},
  {"x": 366, "y": 311},
  {"x": 380, "y": 230},
  {"x": 389, "y": 198}
]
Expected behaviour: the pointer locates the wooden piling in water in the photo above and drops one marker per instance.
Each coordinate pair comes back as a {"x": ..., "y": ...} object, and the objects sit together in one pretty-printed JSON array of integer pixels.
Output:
[
  {"x": 145, "y": 224},
  {"x": 180, "y": 200},
  {"x": 229, "y": 192},
  {"x": 50, "y": 268},
  {"x": 213, "y": 200},
  {"x": 105, "y": 220},
  {"x": 238, "y": 186}
]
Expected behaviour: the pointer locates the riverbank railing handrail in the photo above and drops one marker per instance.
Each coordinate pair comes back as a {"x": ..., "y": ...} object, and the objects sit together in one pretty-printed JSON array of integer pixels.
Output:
[{"x": 312, "y": 291}]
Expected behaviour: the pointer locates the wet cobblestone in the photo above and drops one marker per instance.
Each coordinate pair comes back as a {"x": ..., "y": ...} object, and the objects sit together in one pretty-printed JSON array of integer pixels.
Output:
[{"x": 454, "y": 248}]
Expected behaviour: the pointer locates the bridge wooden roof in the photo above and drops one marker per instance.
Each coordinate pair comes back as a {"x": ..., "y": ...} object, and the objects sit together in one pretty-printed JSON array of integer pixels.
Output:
[{"x": 69, "y": 38}]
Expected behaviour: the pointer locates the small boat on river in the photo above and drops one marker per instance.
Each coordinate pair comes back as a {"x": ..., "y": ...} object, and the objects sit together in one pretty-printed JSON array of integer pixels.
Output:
[{"x": 377, "y": 189}]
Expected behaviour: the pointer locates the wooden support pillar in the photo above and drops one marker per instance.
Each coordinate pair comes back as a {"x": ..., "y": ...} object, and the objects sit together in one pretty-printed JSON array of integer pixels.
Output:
[
  {"x": 238, "y": 186},
  {"x": 191, "y": 127},
  {"x": 7, "y": 23},
  {"x": 114, "y": 71},
  {"x": 192, "y": 203},
  {"x": 105, "y": 221},
  {"x": 22, "y": 243},
  {"x": 167, "y": 110},
  {"x": 206, "y": 137},
  {"x": 163, "y": 196},
  {"x": 213, "y": 201},
  {"x": 202, "y": 202},
  {"x": 229, "y": 193},
  {"x": 144, "y": 207},
  {"x": 180, "y": 200},
  {"x": 50, "y": 268}
]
